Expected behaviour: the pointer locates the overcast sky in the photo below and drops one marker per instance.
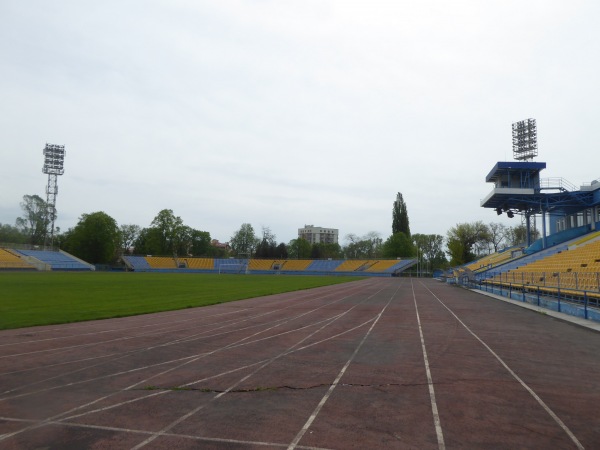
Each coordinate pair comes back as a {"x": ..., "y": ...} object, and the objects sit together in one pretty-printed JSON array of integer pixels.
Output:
[{"x": 285, "y": 113}]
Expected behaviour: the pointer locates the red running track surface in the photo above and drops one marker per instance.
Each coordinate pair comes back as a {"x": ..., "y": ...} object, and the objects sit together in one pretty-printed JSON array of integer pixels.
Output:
[{"x": 380, "y": 363}]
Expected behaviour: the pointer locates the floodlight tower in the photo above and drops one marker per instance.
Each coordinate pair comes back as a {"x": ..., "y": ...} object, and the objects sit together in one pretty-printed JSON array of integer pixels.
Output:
[
  {"x": 54, "y": 157},
  {"x": 524, "y": 136}
]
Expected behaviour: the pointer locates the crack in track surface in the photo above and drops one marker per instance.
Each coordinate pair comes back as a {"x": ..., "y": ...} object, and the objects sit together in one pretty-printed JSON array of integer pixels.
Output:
[{"x": 276, "y": 388}]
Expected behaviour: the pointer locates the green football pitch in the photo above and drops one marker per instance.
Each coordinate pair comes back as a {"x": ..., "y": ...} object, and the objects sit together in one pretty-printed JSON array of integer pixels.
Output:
[{"x": 29, "y": 299}]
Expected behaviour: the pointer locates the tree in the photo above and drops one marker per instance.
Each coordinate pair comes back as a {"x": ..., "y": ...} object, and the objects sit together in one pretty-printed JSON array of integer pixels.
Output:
[
  {"x": 199, "y": 243},
  {"x": 149, "y": 242},
  {"x": 430, "y": 249},
  {"x": 299, "y": 249},
  {"x": 281, "y": 252},
  {"x": 398, "y": 245},
  {"x": 244, "y": 241},
  {"x": 171, "y": 231},
  {"x": 363, "y": 247},
  {"x": 129, "y": 234},
  {"x": 517, "y": 235},
  {"x": 400, "y": 216},
  {"x": 34, "y": 223},
  {"x": 12, "y": 235},
  {"x": 267, "y": 247},
  {"x": 95, "y": 239},
  {"x": 326, "y": 250},
  {"x": 463, "y": 239},
  {"x": 497, "y": 235}
]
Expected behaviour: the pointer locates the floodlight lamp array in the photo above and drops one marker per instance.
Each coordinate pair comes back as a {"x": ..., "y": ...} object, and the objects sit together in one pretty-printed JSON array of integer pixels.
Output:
[
  {"x": 524, "y": 136},
  {"x": 510, "y": 213},
  {"x": 54, "y": 158}
]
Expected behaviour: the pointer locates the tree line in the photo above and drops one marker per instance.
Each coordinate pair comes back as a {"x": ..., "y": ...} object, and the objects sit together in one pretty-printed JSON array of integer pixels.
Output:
[{"x": 97, "y": 238}]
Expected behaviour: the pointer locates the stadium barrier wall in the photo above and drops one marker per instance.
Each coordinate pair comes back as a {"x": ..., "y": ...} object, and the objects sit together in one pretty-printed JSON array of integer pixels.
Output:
[{"x": 585, "y": 307}]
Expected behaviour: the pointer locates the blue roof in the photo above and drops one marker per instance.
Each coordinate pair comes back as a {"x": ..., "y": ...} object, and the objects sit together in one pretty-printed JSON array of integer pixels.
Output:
[{"x": 517, "y": 166}]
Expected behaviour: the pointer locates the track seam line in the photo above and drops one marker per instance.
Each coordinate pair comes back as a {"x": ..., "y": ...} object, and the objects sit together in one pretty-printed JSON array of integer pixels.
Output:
[
  {"x": 552, "y": 414},
  {"x": 434, "y": 409}
]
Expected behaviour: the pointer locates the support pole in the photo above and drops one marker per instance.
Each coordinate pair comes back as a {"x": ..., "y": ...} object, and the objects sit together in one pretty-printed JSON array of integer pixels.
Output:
[{"x": 544, "y": 244}]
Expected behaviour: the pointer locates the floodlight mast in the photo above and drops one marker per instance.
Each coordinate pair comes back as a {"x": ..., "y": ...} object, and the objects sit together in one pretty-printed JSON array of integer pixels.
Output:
[
  {"x": 524, "y": 136},
  {"x": 54, "y": 157}
]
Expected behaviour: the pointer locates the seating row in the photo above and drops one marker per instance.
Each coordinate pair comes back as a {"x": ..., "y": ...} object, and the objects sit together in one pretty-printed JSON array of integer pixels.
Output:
[
  {"x": 143, "y": 263},
  {"x": 9, "y": 260},
  {"x": 574, "y": 268}
]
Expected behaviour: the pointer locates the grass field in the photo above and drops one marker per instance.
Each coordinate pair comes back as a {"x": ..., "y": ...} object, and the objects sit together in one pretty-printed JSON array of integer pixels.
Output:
[{"x": 28, "y": 299}]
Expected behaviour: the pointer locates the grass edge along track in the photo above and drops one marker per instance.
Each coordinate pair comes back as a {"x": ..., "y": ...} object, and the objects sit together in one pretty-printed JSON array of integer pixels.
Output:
[{"x": 33, "y": 299}]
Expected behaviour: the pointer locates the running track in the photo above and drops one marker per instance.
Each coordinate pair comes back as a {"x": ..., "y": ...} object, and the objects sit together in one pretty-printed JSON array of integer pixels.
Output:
[{"x": 379, "y": 363}]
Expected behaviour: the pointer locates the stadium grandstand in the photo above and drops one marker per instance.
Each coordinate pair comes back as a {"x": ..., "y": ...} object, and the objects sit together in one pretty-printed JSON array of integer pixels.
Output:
[
  {"x": 562, "y": 267},
  {"x": 269, "y": 266},
  {"x": 42, "y": 260}
]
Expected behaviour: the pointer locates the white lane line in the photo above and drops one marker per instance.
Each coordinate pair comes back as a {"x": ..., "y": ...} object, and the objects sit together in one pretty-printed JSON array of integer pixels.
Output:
[
  {"x": 114, "y": 330},
  {"x": 557, "y": 419},
  {"x": 313, "y": 416},
  {"x": 187, "y": 359},
  {"x": 175, "y": 435},
  {"x": 434, "y": 409},
  {"x": 237, "y": 383},
  {"x": 304, "y": 299},
  {"x": 212, "y": 377},
  {"x": 154, "y": 332},
  {"x": 194, "y": 337},
  {"x": 229, "y": 346}
]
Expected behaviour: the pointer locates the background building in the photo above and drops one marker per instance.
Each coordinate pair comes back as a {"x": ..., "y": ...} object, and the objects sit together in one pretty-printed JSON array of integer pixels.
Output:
[{"x": 316, "y": 235}]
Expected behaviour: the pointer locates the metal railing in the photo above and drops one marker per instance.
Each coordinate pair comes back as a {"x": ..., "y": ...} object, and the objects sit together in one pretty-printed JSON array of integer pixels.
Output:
[
  {"x": 584, "y": 302},
  {"x": 588, "y": 281},
  {"x": 557, "y": 183}
]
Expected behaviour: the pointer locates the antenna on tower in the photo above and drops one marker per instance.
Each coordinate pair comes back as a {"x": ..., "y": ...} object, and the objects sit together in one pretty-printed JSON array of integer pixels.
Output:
[{"x": 54, "y": 157}]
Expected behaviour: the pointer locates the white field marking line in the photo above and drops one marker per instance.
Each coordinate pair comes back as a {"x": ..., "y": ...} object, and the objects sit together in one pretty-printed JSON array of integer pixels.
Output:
[
  {"x": 58, "y": 416},
  {"x": 560, "y": 423},
  {"x": 57, "y": 349},
  {"x": 283, "y": 320},
  {"x": 195, "y": 357},
  {"x": 121, "y": 355},
  {"x": 434, "y": 409},
  {"x": 313, "y": 416},
  {"x": 137, "y": 351},
  {"x": 237, "y": 383},
  {"x": 226, "y": 372},
  {"x": 212, "y": 377},
  {"x": 42, "y": 423},
  {"x": 154, "y": 332},
  {"x": 176, "y": 341},
  {"x": 172, "y": 315},
  {"x": 187, "y": 360},
  {"x": 175, "y": 435},
  {"x": 91, "y": 344},
  {"x": 114, "y": 330}
]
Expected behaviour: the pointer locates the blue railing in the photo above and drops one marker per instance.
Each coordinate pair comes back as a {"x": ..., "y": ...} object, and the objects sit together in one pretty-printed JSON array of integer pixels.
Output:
[{"x": 576, "y": 302}]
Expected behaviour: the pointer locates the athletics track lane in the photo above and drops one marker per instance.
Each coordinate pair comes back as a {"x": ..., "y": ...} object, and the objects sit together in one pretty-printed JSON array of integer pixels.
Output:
[{"x": 336, "y": 367}]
